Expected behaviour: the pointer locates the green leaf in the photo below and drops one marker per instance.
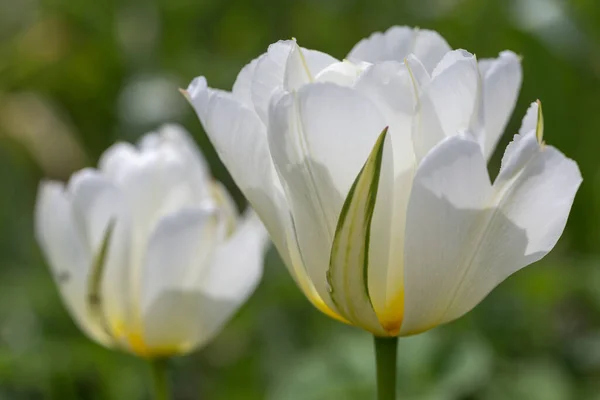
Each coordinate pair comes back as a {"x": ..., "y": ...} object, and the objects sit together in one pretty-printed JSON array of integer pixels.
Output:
[{"x": 349, "y": 261}]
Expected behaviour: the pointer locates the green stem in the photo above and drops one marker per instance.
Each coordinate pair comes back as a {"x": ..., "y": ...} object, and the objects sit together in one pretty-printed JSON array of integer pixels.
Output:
[
  {"x": 385, "y": 355},
  {"x": 159, "y": 376}
]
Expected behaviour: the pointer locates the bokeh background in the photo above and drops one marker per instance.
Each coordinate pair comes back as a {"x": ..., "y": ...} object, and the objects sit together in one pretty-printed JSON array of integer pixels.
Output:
[{"x": 76, "y": 76}]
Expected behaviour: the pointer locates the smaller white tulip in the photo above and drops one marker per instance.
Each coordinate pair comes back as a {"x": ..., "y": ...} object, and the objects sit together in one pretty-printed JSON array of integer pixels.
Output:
[{"x": 149, "y": 253}]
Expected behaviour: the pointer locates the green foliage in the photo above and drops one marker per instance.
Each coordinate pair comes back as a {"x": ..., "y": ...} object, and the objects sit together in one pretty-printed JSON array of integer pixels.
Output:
[{"x": 75, "y": 76}]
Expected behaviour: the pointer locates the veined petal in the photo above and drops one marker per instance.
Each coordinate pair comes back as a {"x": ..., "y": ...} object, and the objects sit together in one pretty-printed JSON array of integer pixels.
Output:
[
  {"x": 242, "y": 87},
  {"x": 319, "y": 138},
  {"x": 455, "y": 91},
  {"x": 303, "y": 65},
  {"x": 501, "y": 83},
  {"x": 343, "y": 73},
  {"x": 68, "y": 256},
  {"x": 98, "y": 204},
  {"x": 175, "y": 136},
  {"x": 178, "y": 258},
  {"x": 272, "y": 68},
  {"x": 447, "y": 201},
  {"x": 348, "y": 273},
  {"x": 240, "y": 140},
  {"x": 397, "y": 43},
  {"x": 518, "y": 223},
  {"x": 233, "y": 275}
]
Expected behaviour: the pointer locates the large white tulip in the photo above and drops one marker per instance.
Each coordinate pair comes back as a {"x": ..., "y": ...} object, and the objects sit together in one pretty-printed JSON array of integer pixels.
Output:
[
  {"x": 149, "y": 253},
  {"x": 370, "y": 174}
]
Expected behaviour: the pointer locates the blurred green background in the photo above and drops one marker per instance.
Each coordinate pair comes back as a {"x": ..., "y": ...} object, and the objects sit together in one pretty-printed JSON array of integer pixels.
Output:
[{"x": 76, "y": 76}]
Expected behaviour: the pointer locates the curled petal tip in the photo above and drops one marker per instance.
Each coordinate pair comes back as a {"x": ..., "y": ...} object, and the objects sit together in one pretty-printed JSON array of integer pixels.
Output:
[{"x": 185, "y": 94}]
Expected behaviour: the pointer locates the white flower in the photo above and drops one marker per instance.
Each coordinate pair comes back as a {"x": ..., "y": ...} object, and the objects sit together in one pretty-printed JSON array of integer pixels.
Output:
[
  {"x": 148, "y": 251},
  {"x": 423, "y": 235}
]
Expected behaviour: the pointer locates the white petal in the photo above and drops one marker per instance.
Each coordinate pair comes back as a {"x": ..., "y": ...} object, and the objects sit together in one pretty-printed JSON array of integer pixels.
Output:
[
  {"x": 452, "y": 97},
  {"x": 235, "y": 272},
  {"x": 178, "y": 258},
  {"x": 391, "y": 85},
  {"x": 397, "y": 43},
  {"x": 272, "y": 67},
  {"x": 501, "y": 83},
  {"x": 530, "y": 120},
  {"x": 530, "y": 215},
  {"x": 242, "y": 87},
  {"x": 450, "y": 190},
  {"x": 97, "y": 203},
  {"x": 174, "y": 135},
  {"x": 67, "y": 254},
  {"x": 342, "y": 73},
  {"x": 241, "y": 142},
  {"x": 319, "y": 138},
  {"x": 482, "y": 242},
  {"x": 155, "y": 184},
  {"x": 303, "y": 65}
]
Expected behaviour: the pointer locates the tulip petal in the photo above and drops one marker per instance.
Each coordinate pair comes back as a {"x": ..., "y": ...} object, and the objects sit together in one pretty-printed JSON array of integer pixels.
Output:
[
  {"x": 240, "y": 140},
  {"x": 176, "y": 137},
  {"x": 348, "y": 271},
  {"x": 320, "y": 138},
  {"x": 97, "y": 204},
  {"x": 447, "y": 201},
  {"x": 272, "y": 71},
  {"x": 494, "y": 236},
  {"x": 234, "y": 273},
  {"x": 394, "y": 87},
  {"x": 178, "y": 256},
  {"x": 242, "y": 87},
  {"x": 455, "y": 93},
  {"x": 397, "y": 43},
  {"x": 67, "y": 254},
  {"x": 501, "y": 83}
]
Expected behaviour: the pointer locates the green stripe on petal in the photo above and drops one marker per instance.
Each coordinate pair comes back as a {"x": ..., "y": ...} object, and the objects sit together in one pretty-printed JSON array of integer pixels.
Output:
[
  {"x": 349, "y": 261},
  {"x": 94, "y": 295},
  {"x": 539, "y": 128}
]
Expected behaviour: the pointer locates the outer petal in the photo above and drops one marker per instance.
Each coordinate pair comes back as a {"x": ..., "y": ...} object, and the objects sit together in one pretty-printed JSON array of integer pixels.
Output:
[
  {"x": 501, "y": 83},
  {"x": 447, "y": 202},
  {"x": 67, "y": 254},
  {"x": 516, "y": 225},
  {"x": 242, "y": 87},
  {"x": 235, "y": 272},
  {"x": 177, "y": 260},
  {"x": 240, "y": 139},
  {"x": 97, "y": 204},
  {"x": 319, "y": 138},
  {"x": 272, "y": 68},
  {"x": 397, "y": 43}
]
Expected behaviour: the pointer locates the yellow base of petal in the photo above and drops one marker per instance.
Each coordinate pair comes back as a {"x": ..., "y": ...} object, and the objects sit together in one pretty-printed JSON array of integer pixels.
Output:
[{"x": 134, "y": 342}]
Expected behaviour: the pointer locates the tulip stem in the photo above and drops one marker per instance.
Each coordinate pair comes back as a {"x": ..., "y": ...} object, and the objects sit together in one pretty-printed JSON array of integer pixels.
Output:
[
  {"x": 385, "y": 356},
  {"x": 159, "y": 375}
]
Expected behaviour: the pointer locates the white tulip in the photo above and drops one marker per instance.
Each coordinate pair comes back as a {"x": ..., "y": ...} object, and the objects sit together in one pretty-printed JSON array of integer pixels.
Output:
[
  {"x": 149, "y": 252},
  {"x": 424, "y": 235}
]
